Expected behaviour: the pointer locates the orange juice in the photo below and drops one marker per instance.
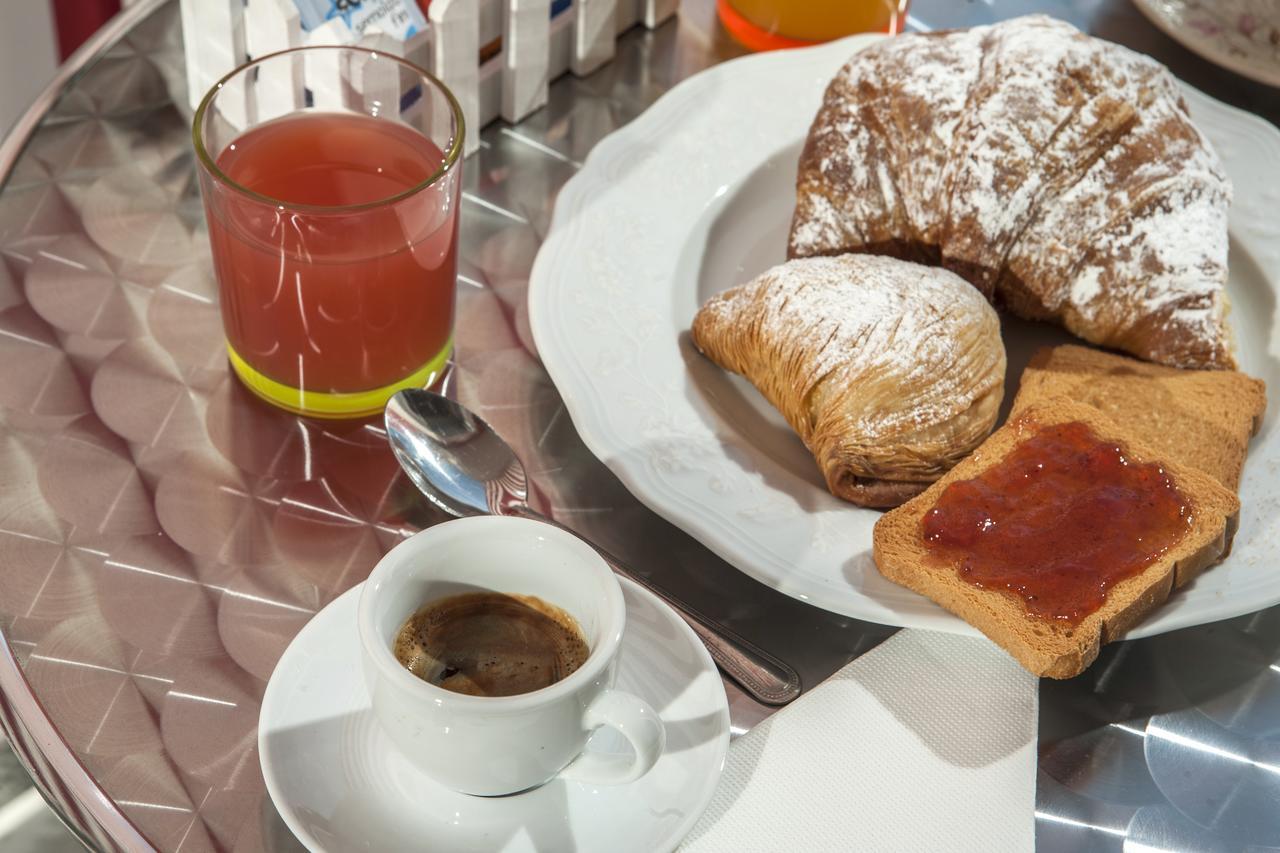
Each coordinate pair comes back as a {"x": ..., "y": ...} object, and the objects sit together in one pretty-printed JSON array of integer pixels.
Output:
[{"x": 766, "y": 24}]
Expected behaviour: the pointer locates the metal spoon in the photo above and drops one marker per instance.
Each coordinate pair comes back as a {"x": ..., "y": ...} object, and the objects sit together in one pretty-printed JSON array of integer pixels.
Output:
[{"x": 465, "y": 468}]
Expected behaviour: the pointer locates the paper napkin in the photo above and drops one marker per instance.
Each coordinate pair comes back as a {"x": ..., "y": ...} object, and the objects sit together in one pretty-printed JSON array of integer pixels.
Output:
[{"x": 927, "y": 742}]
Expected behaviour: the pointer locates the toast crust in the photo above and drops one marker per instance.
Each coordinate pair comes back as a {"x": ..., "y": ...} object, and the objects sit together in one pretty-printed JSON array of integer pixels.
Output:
[
  {"x": 1200, "y": 418},
  {"x": 1041, "y": 646}
]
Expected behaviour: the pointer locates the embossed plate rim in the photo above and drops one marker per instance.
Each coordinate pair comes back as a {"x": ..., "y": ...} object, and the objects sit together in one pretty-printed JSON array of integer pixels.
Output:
[{"x": 601, "y": 310}]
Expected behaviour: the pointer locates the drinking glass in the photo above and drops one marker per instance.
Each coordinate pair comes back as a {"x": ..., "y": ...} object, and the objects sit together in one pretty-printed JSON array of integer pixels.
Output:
[
  {"x": 774, "y": 24},
  {"x": 331, "y": 178}
]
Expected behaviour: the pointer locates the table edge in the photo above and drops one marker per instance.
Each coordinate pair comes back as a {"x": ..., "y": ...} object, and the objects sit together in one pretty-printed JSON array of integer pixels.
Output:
[
  {"x": 65, "y": 783},
  {"x": 12, "y": 144}
]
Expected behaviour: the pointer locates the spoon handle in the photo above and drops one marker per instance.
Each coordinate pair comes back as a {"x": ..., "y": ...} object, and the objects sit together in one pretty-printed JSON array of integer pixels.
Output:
[{"x": 766, "y": 678}]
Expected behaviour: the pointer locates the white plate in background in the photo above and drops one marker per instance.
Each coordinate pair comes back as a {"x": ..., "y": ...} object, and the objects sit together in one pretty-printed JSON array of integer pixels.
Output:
[{"x": 1240, "y": 35}]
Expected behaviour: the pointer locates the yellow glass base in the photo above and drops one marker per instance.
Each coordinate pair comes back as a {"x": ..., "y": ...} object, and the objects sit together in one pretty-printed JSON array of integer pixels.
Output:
[{"x": 319, "y": 404}]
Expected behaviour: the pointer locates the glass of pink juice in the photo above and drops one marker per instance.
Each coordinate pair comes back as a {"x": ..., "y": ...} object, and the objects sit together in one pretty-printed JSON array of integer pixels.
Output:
[{"x": 331, "y": 178}]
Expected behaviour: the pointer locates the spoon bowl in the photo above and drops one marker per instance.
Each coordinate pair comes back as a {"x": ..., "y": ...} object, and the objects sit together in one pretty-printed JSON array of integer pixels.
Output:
[{"x": 454, "y": 458}]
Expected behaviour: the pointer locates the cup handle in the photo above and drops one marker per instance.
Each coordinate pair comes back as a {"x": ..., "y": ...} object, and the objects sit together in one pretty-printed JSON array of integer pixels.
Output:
[{"x": 637, "y": 722}]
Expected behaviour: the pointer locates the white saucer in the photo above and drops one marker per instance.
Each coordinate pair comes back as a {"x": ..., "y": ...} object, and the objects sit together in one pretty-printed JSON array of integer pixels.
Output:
[{"x": 339, "y": 785}]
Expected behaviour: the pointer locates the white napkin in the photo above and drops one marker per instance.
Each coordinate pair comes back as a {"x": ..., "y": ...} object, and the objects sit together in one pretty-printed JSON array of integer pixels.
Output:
[{"x": 927, "y": 742}]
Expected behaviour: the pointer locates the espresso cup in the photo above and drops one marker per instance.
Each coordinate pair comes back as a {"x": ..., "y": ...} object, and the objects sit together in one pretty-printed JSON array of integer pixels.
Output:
[{"x": 494, "y": 745}]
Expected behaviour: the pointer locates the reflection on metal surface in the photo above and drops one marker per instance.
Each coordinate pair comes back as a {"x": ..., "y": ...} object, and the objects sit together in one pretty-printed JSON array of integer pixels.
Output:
[
  {"x": 1068, "y": 821},
  {"x": 1177, "y": 735},
  {"x": 1223, "y": 780},
  {"x": 163, "y": 535}
]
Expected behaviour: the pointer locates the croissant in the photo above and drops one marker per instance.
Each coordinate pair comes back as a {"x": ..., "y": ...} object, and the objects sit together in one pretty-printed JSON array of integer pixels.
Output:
[
  {"x": 1059, "y": 174},
  {"x": 890, "y": 372}
]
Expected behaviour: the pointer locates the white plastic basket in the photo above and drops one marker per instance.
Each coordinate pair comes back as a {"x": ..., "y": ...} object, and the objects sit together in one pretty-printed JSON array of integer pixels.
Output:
[{"x": 536, "y": 41}]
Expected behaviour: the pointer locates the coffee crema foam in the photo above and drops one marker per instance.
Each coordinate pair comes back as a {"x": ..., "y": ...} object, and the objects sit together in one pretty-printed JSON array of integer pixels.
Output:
[{"x": 491, "y": 644}]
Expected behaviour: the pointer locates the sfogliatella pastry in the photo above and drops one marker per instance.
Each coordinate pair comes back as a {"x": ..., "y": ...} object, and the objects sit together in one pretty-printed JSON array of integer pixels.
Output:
[
  {"x": 890, "y": 372},
  {"x": 1059, "y": 173}
]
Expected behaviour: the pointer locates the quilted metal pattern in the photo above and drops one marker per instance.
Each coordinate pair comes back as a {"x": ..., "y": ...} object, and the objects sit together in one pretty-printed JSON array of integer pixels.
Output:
[{"x": 163, "y": 535}]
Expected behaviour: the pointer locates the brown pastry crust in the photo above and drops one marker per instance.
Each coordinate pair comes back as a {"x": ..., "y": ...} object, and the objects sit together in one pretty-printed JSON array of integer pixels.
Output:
[
  {"x": 1060, "y": 174},
  {"x": 889, "y": 372},
  {"x": 870, "y": 492}
]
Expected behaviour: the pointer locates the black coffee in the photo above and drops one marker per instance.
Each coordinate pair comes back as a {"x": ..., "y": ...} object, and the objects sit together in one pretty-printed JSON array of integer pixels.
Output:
[{"x": 491, "y": 644}]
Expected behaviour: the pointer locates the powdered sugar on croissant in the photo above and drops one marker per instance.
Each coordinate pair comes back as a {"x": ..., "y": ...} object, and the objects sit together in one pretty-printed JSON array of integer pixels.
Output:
[
  {"x": 890, "y": 372},
  {"x": 1058, "y": 173}
]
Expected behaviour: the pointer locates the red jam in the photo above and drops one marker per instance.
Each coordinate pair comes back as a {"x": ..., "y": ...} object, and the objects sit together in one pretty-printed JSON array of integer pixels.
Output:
[{"x": 1059, "y": 521}]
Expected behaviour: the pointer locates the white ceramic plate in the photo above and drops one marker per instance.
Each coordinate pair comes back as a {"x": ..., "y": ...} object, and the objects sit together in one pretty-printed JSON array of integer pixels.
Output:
[
  {"x": 340, "y": 785},
  {"x": 695, "y": 196},
  {"x": 1240, "y": 35}
]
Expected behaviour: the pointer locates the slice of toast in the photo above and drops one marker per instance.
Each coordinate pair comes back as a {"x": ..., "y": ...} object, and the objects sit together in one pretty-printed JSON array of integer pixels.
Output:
[
  {"x": 1044, "y": 647},
  {"x": 1201, "y": 418}
]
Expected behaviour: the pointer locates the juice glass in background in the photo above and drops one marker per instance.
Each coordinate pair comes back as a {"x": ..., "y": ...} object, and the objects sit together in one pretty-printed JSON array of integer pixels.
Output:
[
  {"x": 331, "y": 178},
  {"x": 775, "y": 24}
]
